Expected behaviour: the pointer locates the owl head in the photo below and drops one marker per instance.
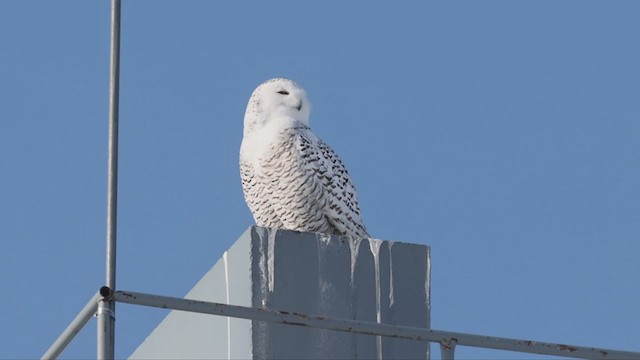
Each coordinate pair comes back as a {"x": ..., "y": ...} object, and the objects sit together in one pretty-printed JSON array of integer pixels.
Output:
[{"x": 276, "y": 99}]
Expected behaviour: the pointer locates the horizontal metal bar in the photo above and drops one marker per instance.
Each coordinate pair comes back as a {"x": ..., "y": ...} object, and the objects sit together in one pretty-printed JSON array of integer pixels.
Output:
[
  {"x": 364, "y": 327},
  {"x": 73, "y": 329}
]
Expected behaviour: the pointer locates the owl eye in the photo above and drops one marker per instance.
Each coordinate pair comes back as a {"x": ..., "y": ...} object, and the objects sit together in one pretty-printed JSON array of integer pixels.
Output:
[{"x": 283, "y": 92}]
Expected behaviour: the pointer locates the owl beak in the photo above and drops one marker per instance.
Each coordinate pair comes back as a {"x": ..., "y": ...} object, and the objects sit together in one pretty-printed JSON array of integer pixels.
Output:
[{"x": 299, "y": 106}]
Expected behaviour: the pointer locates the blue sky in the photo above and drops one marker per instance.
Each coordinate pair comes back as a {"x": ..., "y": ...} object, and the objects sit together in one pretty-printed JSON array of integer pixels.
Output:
[{"x": 503, "y": 134}]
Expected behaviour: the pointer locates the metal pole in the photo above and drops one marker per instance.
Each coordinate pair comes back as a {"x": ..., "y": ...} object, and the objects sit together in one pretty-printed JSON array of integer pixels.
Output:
[
  {"x": 73, "y": 329},
  {"x": 447, "y": 349},
  {"x": 449, "y": 338},
  {"x": 106, "y": 307}
]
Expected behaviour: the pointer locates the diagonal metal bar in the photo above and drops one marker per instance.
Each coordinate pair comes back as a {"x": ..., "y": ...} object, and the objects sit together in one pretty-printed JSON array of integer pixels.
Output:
[
  {"x": 73, "y": 329},
  {"x": 364, "y": 327}
]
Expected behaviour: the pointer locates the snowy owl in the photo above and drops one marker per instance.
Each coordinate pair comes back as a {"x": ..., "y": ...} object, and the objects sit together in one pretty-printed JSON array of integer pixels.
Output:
[{"x": 290, "y": 178}]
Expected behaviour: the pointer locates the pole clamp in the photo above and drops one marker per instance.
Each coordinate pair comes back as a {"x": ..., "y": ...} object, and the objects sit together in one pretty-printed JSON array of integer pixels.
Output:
[
  {"x": 107, "y": 293},
  {"x": 104, "y": 310}
]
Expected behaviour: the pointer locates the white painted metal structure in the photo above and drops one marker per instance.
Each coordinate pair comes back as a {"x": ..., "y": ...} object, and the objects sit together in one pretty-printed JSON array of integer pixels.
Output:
[
  {"x": 102, "y": 304},
  {"x": 447, "y": 340},
  {"x": 366, "y": 280}
]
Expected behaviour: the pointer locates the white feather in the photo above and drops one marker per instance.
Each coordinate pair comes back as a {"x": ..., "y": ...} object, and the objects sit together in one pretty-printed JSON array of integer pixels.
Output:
[{"x": 290, "y": 178}]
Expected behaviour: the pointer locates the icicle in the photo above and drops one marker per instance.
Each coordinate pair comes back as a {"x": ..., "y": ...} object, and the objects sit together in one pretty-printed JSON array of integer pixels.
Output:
[
  {"x": 374, "y": 245},
  {"x": 354, "y": 245},
  {"x": 226, "y": 273},
  {"x": 271, "y": 258},
  {"x": 324, "y": 239},
  {"x": 391, "y": 296},
  {"x": 428, "y": 279},
  {"x": 262, "y": 264}
]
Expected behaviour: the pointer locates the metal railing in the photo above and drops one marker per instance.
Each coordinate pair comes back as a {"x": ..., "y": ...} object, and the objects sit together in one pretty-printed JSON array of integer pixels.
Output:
[{"x": 448, "y": 340}]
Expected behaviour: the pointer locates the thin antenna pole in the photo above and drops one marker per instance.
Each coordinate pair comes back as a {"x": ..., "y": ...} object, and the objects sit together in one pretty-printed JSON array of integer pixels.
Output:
[{"x": 106, "y": 306}]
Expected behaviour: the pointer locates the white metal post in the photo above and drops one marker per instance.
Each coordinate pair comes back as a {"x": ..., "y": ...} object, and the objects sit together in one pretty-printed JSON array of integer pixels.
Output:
[
  {"x": 447, "y": 350},
  {"x": 106, "y": 306}
]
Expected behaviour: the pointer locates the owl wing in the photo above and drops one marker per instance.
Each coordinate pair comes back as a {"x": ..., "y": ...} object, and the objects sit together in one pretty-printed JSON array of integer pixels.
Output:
[
  {"x": 343, "y": 209},
  {"x": 302, "y": 185},
  {"x": 314, "y": 191}
]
